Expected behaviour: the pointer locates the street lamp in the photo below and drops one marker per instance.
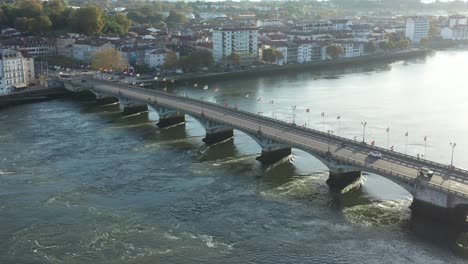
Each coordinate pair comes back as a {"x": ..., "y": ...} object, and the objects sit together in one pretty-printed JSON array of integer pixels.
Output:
[
  {"x": 330, "y": 132},
  {"x": 364, "y": 124},
  {"x": 294, "y": 114},
  {"x": 453, "y": 145},
  {"x": 259, "y": 116},
  {"x": 202, "y": 105}
]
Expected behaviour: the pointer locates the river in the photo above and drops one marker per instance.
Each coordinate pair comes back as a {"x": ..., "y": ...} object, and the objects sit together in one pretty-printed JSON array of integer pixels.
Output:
[{"x": 80, "y": 183}]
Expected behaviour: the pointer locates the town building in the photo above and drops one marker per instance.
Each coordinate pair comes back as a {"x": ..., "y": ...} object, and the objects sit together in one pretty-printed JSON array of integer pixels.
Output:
[
  {"x": 457, "y": 20},
  {"x": 156, "y": 58},
  {"x": 457, "y": 32},
  {"x": 31, "y": 46},
  {"x": 417, "y": 28},
  {"x": 83, "y": 50},
  {"x": 243, "y": 41},
  {"x": 16, "y": 71}
]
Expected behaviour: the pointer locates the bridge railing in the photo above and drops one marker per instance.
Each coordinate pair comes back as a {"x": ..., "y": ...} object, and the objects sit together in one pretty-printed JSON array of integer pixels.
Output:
[{"x": 304, "y": 130}]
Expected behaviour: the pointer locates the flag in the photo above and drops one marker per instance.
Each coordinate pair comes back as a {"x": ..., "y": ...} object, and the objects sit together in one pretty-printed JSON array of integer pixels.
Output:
[
  {"x": 138, "y": 75},
  {"x": 216, "y": 89},
  {"x": 388, "y": 129},
  {"x": 205, "y": 87},
  {"x": 226, "y": 105},
  {"x": 172, "y": 81},
  {"x": 339, "y": 117},
  {"x": 307, "y": 110},
  {"x": 323, "y": 114},
  {"x": 406, "y": 134},
  {"x": 195, "y": 85},
  {"x": 391, "y": 148},
  {"x": 164, "y": 79},
  {"x": 259, "y": 99},
  {"x": 425, "y": 138},
  {"x": 271, "y": 101},
  {"x": 164, "y": 89},
  {"x": 142, "y": 84},
  {"x": 372, "y": 143},
  {"x": 156, "y": 77},
  {"x": 246, "y": 96}
]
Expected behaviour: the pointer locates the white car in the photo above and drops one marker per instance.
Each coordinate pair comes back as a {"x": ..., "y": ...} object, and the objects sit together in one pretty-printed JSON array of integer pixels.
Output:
[
  {"x": 375, "y": 154},
  {"x": 424, "y": 171}
]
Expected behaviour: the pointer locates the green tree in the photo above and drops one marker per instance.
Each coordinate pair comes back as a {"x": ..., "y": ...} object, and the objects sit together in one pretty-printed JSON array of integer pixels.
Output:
[
  {"x": 30, "y": 8},
  {"x": 123, "y": 21},
  {"x": 334, "y": 51},
  {"x": 55, "y": 10},
  {"x": 41, "y": 24},
  {"x": 424, "y": 43},
  {"x": 403, "y": 44},
  {"x": 171, "y": 62},
  {"x": 23, "y": 23},
  {"x": 176, "y": 19},
  {"x": 370, "y": 47},
  {"x": 272, "y": 55},
  {"x": 88, "y": 20},
  {"x": 108, "y": 59},
  {"x": 197, "y": 60},
  {"x": 233, "y": 59}
]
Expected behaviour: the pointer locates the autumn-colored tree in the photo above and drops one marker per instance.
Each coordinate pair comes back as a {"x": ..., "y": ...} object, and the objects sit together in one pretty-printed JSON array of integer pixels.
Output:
[
  {"x": 109, "y": 59},
  {"x": 171, "y": 61},
  {"x": 334, "y": 51},
  {"x": 272, "y": 55},
  {"x": 370, "y": 47}
]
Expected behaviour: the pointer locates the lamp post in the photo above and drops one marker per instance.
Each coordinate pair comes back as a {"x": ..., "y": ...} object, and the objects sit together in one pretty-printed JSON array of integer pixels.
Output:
[
  {"x": 364, "y": 124},
  {"x": 294, "y": 114},
  {"x": 330, "y": 132},
  {"x": 259, "y": 116},
  {"x": 453, "y": 145},
  {"x": 202, "y": 105}
]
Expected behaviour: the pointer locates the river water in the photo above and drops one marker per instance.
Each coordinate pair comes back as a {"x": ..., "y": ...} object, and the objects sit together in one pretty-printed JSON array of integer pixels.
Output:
[{"x": 80, "y": 183}]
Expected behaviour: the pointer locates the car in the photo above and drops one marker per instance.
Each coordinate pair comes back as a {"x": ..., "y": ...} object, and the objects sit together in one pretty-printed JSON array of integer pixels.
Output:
[
  {"x": 425, "y": 171},
  {"x": 375, "y": 154}
]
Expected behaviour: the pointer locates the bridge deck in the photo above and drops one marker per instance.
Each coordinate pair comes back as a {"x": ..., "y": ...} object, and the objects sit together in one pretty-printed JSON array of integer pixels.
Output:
[{"x": 392, "y": 164}]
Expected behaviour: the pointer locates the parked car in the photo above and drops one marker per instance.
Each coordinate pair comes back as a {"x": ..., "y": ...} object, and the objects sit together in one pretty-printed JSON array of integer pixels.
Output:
[
  {"x": 425, "y": 171},
  {"x": 375, "y": 154}
]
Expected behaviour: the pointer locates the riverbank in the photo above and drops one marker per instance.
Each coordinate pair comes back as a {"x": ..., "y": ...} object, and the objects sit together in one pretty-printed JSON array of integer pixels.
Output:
[
  {"x": 34, "y": 94},
  {"x": 271, "y": 69}
]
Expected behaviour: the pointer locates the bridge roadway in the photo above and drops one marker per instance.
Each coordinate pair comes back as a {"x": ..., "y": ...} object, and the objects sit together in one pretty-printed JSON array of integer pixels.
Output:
[{"x": 392, "y": 163}]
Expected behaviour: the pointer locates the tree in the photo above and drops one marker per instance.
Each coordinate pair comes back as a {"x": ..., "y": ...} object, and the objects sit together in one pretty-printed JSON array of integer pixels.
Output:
[
  {"x": 123, "y": 21},
  {"x": 88, "y": 20},
  {"x": 403, "y": 44},
  {"x": 370, "y": 47},
  {"x": 41, "y": 24},
  {"x": 272, "y": 55},
  {"x": 23, "y": 23},
  {"x": 30, "y": 8},
  {"x": 334, "y": 51},
  {"x": 197, "y": 60},
  {"x": 171, "y": 61},
  {"x": 55, "y": 10},
  {"x": 108, "y": 59},
  {"x": 233, "y": 59},
  {"x": 176, "y": 19},
  {"x": 424, "y": 43}
]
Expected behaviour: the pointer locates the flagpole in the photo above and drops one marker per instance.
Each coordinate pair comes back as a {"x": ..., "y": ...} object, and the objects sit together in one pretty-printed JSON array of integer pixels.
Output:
[
  {"x": 323, "y": 122},
  {"x": 406, "y": 145},
  {"x": 308, "y": 124},
  {"x": 339, "y": 125},
  {"x": 425, "y": 144}
]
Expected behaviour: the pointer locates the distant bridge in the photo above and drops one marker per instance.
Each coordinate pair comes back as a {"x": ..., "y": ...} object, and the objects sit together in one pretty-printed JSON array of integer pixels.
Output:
[{"x": 445, "y": 194}]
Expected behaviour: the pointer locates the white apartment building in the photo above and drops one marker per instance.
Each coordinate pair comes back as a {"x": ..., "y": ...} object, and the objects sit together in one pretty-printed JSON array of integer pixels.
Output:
[
  {"x": 351, "y": 49},
  {"x": 457, "y": 20},
  {"x": 83, "y": 50},
  {"x": 308, "y": 51},
  {"x": 458, "y": 32},
  {"x": 156, "y": 58},
  {"x": 417, "y": 28},
  {"x": 15, "y": 71},
  {"x": 243, "y": 41}
]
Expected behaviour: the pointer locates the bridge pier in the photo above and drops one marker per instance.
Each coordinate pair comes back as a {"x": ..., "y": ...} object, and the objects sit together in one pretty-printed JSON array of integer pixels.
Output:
[
  {"x": 340, "y": 180},
  {"x": 130, "y": 107},
  {"x": 168, "y": 117},
  {"x": 215, "y": 132},
  {"x": 456, "y": 216},
  {"x": 272, "y": 155}
]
